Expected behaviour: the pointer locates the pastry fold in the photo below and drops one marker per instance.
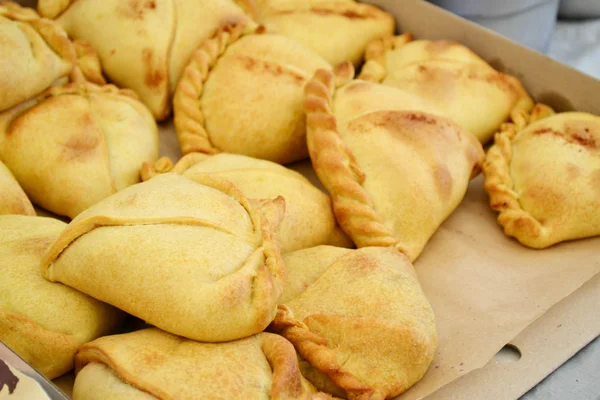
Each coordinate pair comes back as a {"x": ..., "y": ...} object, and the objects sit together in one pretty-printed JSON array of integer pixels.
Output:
[
  {"x": 190, "y": 255},
  {"x": 308, "y": 219},
  {"x": 13, "y": 199},
  {"x": 35, "y": 54},
  {"x": 337, "y": 30},
  {"x": 359, "y": 320},
  {"x": 242, "y": 93},
  {"x": 144, "y": 45},
  {"x": 74, "y": 145},
  {"x": 543, "y": 177},
  {"x": 152, "y": 364},
  {"x": 450, "y": 76},
  {"x": 45, "y": 323},
  {"x": 395, "y": 167}
]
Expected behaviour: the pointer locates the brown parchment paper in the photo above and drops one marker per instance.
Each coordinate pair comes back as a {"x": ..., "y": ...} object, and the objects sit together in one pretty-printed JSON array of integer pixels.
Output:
[{"x": 484, "y": 287}]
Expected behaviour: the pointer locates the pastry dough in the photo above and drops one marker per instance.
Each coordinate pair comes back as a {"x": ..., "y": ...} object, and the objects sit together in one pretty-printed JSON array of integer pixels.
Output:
[
  {"x": 144, "y": 45},
  {"x": 12, "y": 198},
  {"x": 543, "y": 175},
  {"x": 243, "y": 94},
  {"x": 35, "y": 53},
  {"x": 189, "y": 255},
  {"x": 152, "y": 364},
  {"x": 450, "y": 76},
  {"x": 337, "y": 30},
  {"x": 44, "y": 322},
  {"x": 74, "y": 145},
  {"x": 359, "y": 320},
  {"x": 394, "y": 166},
  {"x": 308, "y": 220}
]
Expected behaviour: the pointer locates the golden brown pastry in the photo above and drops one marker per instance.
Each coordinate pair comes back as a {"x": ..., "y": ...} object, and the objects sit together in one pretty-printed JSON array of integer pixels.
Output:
[
  {"x": 242, "y": 93},
  {"x": 35, "y": 54},
  {"x": 74, "y": 145},
  {"x": 543, "y": 175},
  {"x": 337, "y": 30},
  {"x": 144, "y": 45},
  {"x": 45, "y": 323},
  {"x": 308, "y": 219},
  {"x": 394, "y": 166},
  {"x": 358, "y": 319},
  {"x": 189, "y": 255},
  {"x": 12, "y": 198},
  {"x": 450, "y": 76},
  {"x": 152, "y": 364}
]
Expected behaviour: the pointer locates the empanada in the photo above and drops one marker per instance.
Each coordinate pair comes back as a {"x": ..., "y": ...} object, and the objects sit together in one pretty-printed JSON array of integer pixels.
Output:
[
  {"x": 450, "y": 76},
  {"x": 12, "y": 198},
  {"x": 337, "y": 30},
  {"x": 543, "y": 175},
  {"x": 35, "y": 53},
  {"x": 189, "y": 255},
  {"x": 358, "y": 319},
  {"x": 308, "y": 220},
  {"x": 242, "y": 93},
  {"x": 74, "y": 145},
  {"x": 44, "y": 322},
  {"x": 394, "y": 166},
  {"x": 152, "y": 364},
  {"x": 144, "y": 45}
]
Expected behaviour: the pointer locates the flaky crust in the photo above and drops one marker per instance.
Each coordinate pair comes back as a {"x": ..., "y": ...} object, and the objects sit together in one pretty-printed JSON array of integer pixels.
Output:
[
  {"x": 473, "y": 68},
  {"x": 188, "y": 117},
  {"x": 352, "y": 204},
  {"x": 533, "y": 221},
  {"x": 246, "y": 286},
  {"x": 170, "y": 367}
]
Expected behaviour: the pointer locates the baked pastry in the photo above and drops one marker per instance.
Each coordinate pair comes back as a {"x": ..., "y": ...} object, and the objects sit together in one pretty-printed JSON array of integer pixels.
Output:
[
  {"x": 308, "y": 219},
  {"x": 45, "y": 323},
  {"x": 337, "y": 30},
  {"x": 450, "y": 76},
  {"x": 189, "y": 255},
  {"x": 242, "y": 93},
  {"x": 543, "y": 176},
  {"x": 12, "y": 198},
  {"x": 358, "y": 319},
  {"x": 35, "y": 54},
  {"x": 394, "y": 166},
  {"x": 152, "y": 364},
  {"x": 144, "y": 45},
  {"x": 74, "y": 145}
]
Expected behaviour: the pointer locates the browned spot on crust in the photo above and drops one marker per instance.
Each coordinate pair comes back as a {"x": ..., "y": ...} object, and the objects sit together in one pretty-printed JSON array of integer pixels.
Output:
[
  {"x": 573, "y": 171},
  {"x": 113, "y": 51},
  {"x": 135, "y": 9},
  {"x": 363, "y": 13},
  {"x": 419, "y": 117},
  {"x": 439, "y": 46},
  {"x": 271, "y": 68},
  {"x": 357, "y": 86},
  {"x": 444, "y": 180},
  {"x": 575, "y": 133},
  {"x": 153, "y": 77},
  {"x": 80, "y": 145},
  {"x": 595, "y": 180},
  {"x": 33, "y": 246}
]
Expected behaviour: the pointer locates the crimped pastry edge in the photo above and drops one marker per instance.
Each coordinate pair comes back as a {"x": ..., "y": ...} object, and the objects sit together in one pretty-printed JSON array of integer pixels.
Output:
[
  {"x": 335, "y": 165},
  {"x": 187, "y": 111},
  {"x": 516, "y": 221}
]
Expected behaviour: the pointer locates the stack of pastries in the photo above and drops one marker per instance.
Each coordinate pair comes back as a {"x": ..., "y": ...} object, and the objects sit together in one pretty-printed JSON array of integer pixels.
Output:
[{"x": 253, "y": 282}]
